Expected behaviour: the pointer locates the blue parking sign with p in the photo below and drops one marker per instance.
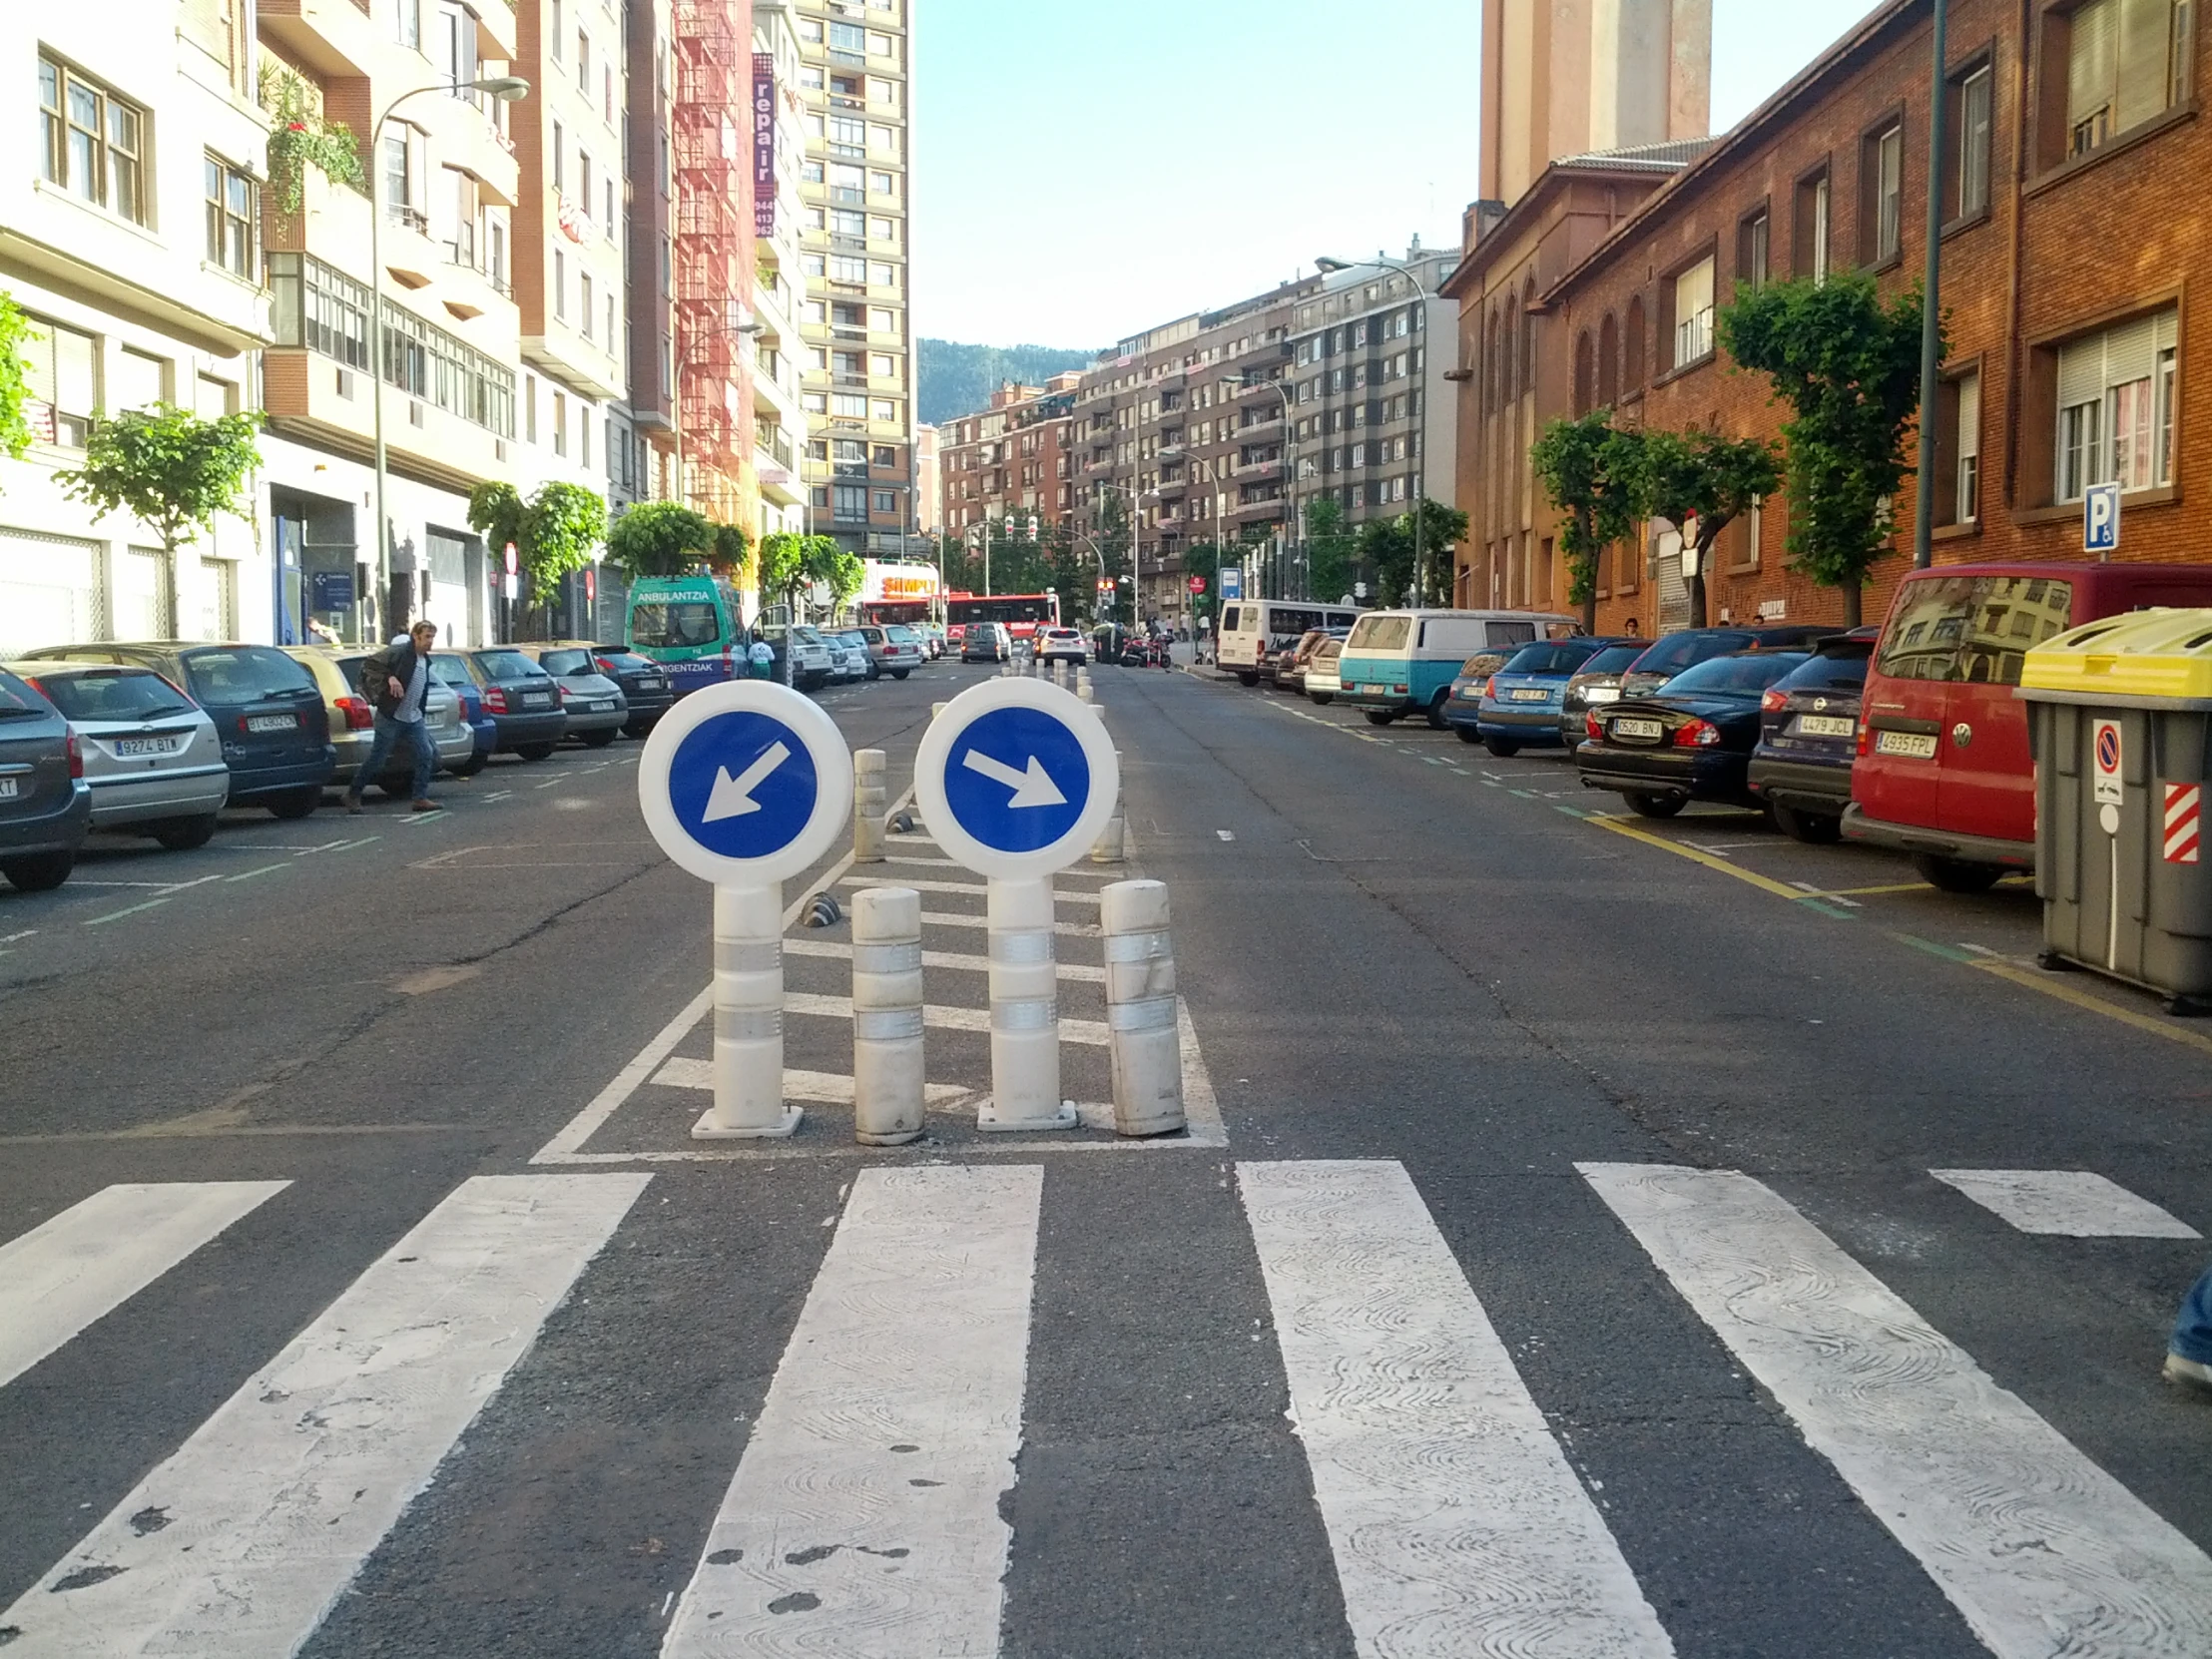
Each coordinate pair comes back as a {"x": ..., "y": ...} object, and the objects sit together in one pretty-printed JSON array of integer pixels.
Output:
[{"x": 2100, "y": 519}]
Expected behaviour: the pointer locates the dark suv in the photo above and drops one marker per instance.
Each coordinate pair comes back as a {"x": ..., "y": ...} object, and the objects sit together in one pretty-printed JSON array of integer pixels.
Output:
[
  {"x": 45, "y": 804},
  {"x": 645, "y": 684}
]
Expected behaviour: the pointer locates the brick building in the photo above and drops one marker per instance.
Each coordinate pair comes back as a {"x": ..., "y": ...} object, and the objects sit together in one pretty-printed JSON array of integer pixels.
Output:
[
  {"x": 2065, "y": 254},
  {"x": 1011, "y": 459}
]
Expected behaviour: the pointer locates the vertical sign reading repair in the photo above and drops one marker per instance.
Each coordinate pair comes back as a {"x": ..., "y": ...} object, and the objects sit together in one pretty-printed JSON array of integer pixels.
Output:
[
  {"x": 764, "y": 144},
  {"x": 2108, "y": 753}
]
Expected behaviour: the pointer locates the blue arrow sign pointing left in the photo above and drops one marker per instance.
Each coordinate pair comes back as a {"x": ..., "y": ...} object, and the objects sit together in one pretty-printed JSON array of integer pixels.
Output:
[{"x": 742, "y": 785}]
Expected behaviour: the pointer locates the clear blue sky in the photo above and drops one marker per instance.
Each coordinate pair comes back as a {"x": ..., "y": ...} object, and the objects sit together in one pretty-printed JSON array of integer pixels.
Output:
[{"x": 1087, "y": 170}]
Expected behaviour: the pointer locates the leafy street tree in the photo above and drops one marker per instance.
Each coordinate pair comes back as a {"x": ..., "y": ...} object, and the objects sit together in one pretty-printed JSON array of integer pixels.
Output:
[
  {"x": 15, "y": 385},
  {"x": 553, "y": 532},
  {"x": 168, "y": 468},
  {"x": 781, "y": 569},
  {"x": 1706, "y": 478},
  {"x": 657, "y": 538},
  {"x": 1387, "y": 546},
  {"x": 831, "y": 566},
  {"x": 1848, "y": 364},
  {"x": 728, "y": 552},
  {"x": 1332, "y": 550},
  {"x": 1593, "y": 473}
]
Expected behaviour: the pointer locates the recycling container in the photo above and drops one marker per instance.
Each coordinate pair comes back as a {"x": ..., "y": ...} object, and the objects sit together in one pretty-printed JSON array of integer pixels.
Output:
[{"x": 2119, "y": 715}]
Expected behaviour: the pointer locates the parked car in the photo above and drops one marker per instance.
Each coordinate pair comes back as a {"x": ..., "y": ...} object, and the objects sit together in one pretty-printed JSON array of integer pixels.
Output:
[
  {"x": 1808, "y": 734},
  {"x": 1691, "y": 742},
  {"x": 266, "y": 706},
  {"x": 1061, "y": 645},
  {"x": 596, "y": 708},
  {"x": 931, "y": 637},
  {"x": 44, "y": 803},
  {"x": 987, "y": 642},
  {"x": 338, "y": 674},
  {"x": 1290, "y": 672},
  {"x": 1320, "y": 674},
  {"x": 1404, "y": 662},
  {"x": 849, "y": 652},
  {"x": 1465, "y": 699},
  {"x": 521, "y": 698},
  {"x": 482, "y": 727},
  {"x": 1943, "y": 770},
  {"x": 1670, "y": 654},
  {"x": 151, "y": 758},
  {"x": 1517, "y": 705},
  {"x": 814, "y": 664},
  {"x": 1596, "y": 681},
  {"x": 645, "y": 684}
]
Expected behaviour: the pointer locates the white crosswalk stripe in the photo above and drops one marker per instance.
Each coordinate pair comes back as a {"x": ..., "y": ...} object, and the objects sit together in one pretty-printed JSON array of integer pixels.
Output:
[
  {"x": 2042, "y": 1552},
  {"x": 2072, "y": 1202}
]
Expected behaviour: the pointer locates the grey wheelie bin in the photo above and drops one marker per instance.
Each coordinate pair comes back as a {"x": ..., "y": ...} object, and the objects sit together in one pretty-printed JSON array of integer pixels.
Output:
[{"x": 2121, "y": 716}]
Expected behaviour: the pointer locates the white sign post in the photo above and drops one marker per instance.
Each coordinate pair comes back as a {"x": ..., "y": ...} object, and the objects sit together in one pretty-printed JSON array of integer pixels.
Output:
[
  {"x": 745, "y": 784},
  {"x": 1015, "y": 779}
]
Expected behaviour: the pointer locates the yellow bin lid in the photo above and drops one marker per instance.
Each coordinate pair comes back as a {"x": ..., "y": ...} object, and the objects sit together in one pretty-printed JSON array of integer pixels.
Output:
[{"x": 2158, "y": 653}]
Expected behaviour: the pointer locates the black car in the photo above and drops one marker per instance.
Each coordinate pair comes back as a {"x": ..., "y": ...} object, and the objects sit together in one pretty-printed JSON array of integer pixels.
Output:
[
  {"x": 45, "y": 804},
  {"x": 265, "y": 705},
  {"x": 525, "y": 701},
  {"x": 1809, "y": 736},
  {"x": 644, "y": 682},
  {"x": 1670, "y": 655},
  {"x": 1692, "y": 742},
  {"x": 1597, "y": 681}
]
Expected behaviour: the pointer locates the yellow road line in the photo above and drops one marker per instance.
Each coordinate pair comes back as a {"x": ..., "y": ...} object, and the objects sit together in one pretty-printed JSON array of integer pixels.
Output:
[
  {"x": 2052, "y": 985},
  {"x": 1861, "y": 893},
  {"x": 1708, "y": 859}
]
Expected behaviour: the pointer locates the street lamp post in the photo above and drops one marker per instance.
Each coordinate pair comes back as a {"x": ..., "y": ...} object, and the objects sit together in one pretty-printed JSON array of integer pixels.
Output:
[
  {"x": 1417, "y": 352},
  {"x": 682, "y": 362},
  {"x": 1932, "y": 310},
  {"x": 505, "y": 88}
]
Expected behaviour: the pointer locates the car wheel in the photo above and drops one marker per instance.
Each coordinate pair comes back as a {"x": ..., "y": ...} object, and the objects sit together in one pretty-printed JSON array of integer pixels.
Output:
[
  {"x": 900, "y": 673},
  {"x": 1467, "y": 733},
  {"x": 470, "y": 766},
  {"x": 535, "y": 751},
  {"x": 598, "y": 740},
  {"x": 1379, "y": 717},
  {"x": 1503, "y": 748},
  {"x": 40, "y": 872},
  {"x": 1955, "y": 875},
  {"x": 1322, "y": 698},
  {"x": 1655, "y": 805},
  {"x": 182, "y": 835},
  {"x": 1248, "y": 678},
  {"x": 1814, "y": 829},
  {"x": 297, "y": 802},
  {"x": 1436, "y": 721}
]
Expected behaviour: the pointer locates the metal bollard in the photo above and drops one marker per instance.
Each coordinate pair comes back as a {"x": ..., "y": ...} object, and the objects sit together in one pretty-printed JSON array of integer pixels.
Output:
[
  {"x": 938, "y": 708},
  {"x": 869, "y": 797},
  {"x": 749, "y": 1019},
  {"x": 887, "y": 1068},
  {"x": 1025, "y": 1011},
  {"x": 1144, "y": 1040}
]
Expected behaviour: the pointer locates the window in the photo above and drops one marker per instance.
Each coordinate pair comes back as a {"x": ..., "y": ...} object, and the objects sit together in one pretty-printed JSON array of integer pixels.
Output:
[
  {"x": 2126, "y": 61},
  {"x": 851, "y": 405},
  {"x": 1752, "y": 236},
  {"x": 560, "y": 423},
  {"x": 1966, "y": 185},
  {"x": 64, "y": 386},
  {"x": 583, "y": 300},
  {"x": 93, "y": 141},
  {"x": 560, "y": 283},
  {"x": 886, "y": 501},
  {"x": 408, "y": 23},
  {"x": 1809, "y": 231},
  {"x": 560, "y": 156},
  {"x": 1974, "y": 630},
  {"x": 231, "y": 197},
  {"x": 2116, "y": 407},
  {"x": 1959, "y": 449},
  {"x": 850, "y": 501},
  {"x": 1882, "y": 195}
]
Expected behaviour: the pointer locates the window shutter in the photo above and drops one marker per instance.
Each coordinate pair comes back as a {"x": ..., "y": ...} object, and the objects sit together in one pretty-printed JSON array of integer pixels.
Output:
[
  {"x": 2081, "y": 372},
  {"x": 1970, "y": 414},
  {"x": 2089, "y": 60},
  {"x": 2146, "y": 27},
  {"x": 2165, "y": 331},
  {"x": 2129, "y": 352},
  {"x": 75, "y": 384}
]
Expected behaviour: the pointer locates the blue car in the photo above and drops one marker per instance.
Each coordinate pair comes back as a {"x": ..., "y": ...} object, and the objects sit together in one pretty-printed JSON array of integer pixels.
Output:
[
  {"x": 474, "y": 717},
  {"x": 1520, "y": 703}
]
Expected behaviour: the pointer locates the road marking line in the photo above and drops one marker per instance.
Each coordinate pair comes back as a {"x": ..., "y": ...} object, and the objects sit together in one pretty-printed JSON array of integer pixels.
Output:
[
  {"x": 2072, "y": 1202},
  {"x": 413, "y": 819},
  {"x": 1077, "y": 972},
  {"x": 1457, "y": 1524},
  {"x": 1089, "y": 1033},
  {"x": 2041, "y": 1551},
  {"x": 247, "y": 875},
  {"x": 118, "y": 916},
  {"x": 85, "y": 1263},
  {"x": 1863, "y": 892},
  {"x": 10, "y": 938},
  {"x": 1697, "y": 856},
  {"x": 587, "y": 1123},
  {"x": 2051, "y": 985},
  {"x": 826, "y": 1088},
  {"x": 1226, "y": 835},
  {"x": 868, "y": 1502},
  {"x": 241, "y": 1541}
]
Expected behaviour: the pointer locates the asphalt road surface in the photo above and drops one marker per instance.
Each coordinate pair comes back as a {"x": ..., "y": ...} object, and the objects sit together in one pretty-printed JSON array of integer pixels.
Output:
[{"x": 1593, "y": 1237}]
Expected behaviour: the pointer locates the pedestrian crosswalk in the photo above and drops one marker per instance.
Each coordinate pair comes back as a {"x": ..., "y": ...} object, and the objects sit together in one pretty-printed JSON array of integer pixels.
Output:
[{"x": 866, "y": 1509}]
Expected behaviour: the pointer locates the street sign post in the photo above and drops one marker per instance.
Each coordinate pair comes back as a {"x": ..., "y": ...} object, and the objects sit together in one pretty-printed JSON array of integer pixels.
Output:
[
  {"x": 1016, "y": 778},
  {"x": 2100, "y": 519},
  {"x": 1232, "y": 581},
  {"x": 746, "y": 784}
]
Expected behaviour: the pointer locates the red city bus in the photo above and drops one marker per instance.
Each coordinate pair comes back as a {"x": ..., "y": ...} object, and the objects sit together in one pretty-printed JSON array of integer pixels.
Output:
[{"x": 1022, "y": 613}]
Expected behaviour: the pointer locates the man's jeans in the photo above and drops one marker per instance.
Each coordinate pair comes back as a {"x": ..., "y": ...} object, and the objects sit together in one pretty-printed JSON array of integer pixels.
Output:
[
  {"x": 2192, "y": 1338},
  {"x": 388, "y": 733}
]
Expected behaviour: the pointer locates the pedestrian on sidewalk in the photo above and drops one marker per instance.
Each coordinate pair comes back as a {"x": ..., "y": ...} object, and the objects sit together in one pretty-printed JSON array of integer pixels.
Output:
[
  {"x": 396, "y": 681},
  {"x": 2189, "y": 1351},
  {"x": 761, "y": 657}
]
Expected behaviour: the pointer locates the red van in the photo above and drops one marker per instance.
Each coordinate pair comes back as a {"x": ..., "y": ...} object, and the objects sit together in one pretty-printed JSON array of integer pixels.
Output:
[{"x": 1943, "y": 770}]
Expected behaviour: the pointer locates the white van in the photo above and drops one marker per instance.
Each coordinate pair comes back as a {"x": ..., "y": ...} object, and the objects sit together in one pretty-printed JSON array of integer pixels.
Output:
[
  {"x": 1252, "y": 629},
  {"x": 1399, "y": 662}
]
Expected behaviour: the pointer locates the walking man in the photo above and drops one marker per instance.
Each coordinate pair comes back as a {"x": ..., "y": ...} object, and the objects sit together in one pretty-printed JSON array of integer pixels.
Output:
[
  {"x": 397, "y": 681},
  {"x": 2189, "y": 1350}
]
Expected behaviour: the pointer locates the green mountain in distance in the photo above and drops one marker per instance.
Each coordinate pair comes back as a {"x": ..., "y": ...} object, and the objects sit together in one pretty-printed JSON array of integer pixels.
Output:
[{"x": 959, "y": 380}]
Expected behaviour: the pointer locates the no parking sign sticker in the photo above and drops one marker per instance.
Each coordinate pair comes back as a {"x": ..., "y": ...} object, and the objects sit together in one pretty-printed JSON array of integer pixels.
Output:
[{"x": 2108, "y": 753}]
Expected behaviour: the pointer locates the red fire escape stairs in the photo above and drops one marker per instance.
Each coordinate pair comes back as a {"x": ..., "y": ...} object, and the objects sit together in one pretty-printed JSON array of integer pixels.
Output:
[{"x": 712, "y": 247}]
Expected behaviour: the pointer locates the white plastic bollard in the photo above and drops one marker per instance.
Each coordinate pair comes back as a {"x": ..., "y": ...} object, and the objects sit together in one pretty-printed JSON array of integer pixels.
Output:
[
  {"x": 749, "y": 1019},
  {"x": 1111, "y": 844},
  {"x": 1025, "y": 1011},
  {"x": 887, "y": 1067},
  {"x": 870, "y": 796},
  {"x": 1144, "y": 1040}
]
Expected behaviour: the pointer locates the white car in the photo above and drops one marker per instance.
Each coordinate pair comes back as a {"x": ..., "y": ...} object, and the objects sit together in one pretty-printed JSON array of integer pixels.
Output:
[
  {"x": 1323, "y": 681},
  {"x": 1061, "y": 645}
]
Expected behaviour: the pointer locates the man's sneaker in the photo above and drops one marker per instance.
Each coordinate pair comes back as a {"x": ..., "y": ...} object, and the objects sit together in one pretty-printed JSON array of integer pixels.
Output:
[
  {"x": 354, "y": 804},
  {"x": 426, "y": 804},
  {"x": 2193, "y": 1374}
]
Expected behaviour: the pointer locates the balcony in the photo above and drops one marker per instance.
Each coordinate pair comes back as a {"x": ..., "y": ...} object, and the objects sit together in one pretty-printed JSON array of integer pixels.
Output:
[
  {"x": 1244, "y": 511},
  {"x": 1268, "y": 426},
  {"x": 1256, "y": 469}
]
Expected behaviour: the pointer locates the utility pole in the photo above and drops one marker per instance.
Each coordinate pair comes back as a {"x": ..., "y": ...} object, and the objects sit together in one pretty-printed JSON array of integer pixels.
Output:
[{"x": 1932, "y": 308}]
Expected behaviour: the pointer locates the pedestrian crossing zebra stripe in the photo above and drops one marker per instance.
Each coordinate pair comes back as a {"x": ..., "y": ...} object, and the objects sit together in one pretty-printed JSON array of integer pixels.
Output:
[
  {"x": 239, "y": 1544},
  {"x": 95, "y": 1256},
  {"x": 2042, "y": 1552},
  {"x": 1457, "y": 1524}
]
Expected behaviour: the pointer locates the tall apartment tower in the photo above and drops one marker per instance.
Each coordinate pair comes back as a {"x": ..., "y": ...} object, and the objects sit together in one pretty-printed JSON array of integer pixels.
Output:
[
  {"x": 1564, "y": 76},
  {"x": 858, "y": 369}
]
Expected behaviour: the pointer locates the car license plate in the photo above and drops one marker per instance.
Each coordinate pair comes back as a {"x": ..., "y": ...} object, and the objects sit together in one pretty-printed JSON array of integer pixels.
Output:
[
  {"x": 145, "y": 745},
  {"x": 1825, "y": 725},
  {"x": 1602, "y": 694},
  {"x": 1639, "y": 730},
  {"x": 1532, "y": 694},
  {"x": 1910, "y": 746},
  {"x": 272, "y": 723},
  {"x": 535, "y": 700},
  {"x": 8, "y": 789},
  {"x": 652, "y": 685}
]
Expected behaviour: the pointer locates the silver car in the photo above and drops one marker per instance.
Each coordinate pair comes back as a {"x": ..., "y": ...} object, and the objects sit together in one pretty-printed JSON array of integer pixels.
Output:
[
  {"x": 451, "y": 738},
  {"x": 849, "y": 652},
  {"x": 151, "y": 758},
  {"x": 894, "y": 649},
  {"x": 596, "y": 708}
]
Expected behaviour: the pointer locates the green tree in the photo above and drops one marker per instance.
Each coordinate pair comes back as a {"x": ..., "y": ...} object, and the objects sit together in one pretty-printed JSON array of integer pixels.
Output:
[
  {"x": 1332, "y": 550},
  {"x": 1848, "y": 364},
  {"x": 168, "y": 468},
  {"x": 657, "y": 538},
  {"x": 15, "y": 385},
  {"x": 728, "y": 552},
  {"x": 780, "y": 571},
  {"x": 1706, "y": 478},
  {"x": 553, "y": 532},
  {"x": 827, "y": 565},
  {"x": 1387, "y": 546},
  {"x": 1593, "y": 473}
]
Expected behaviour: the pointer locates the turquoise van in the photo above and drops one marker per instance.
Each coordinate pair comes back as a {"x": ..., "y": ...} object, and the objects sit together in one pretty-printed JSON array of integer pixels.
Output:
[
  {"x": 1402, "y": 661},
  {"x": 693, "y": 624}
]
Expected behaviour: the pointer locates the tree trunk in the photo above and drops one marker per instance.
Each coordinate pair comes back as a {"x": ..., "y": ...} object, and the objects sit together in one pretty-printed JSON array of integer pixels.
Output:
[
  {"x": 1589, "y": 612},
  {"x": 1697, "y": 597},
  {"x": 1854, "y": 595}
]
